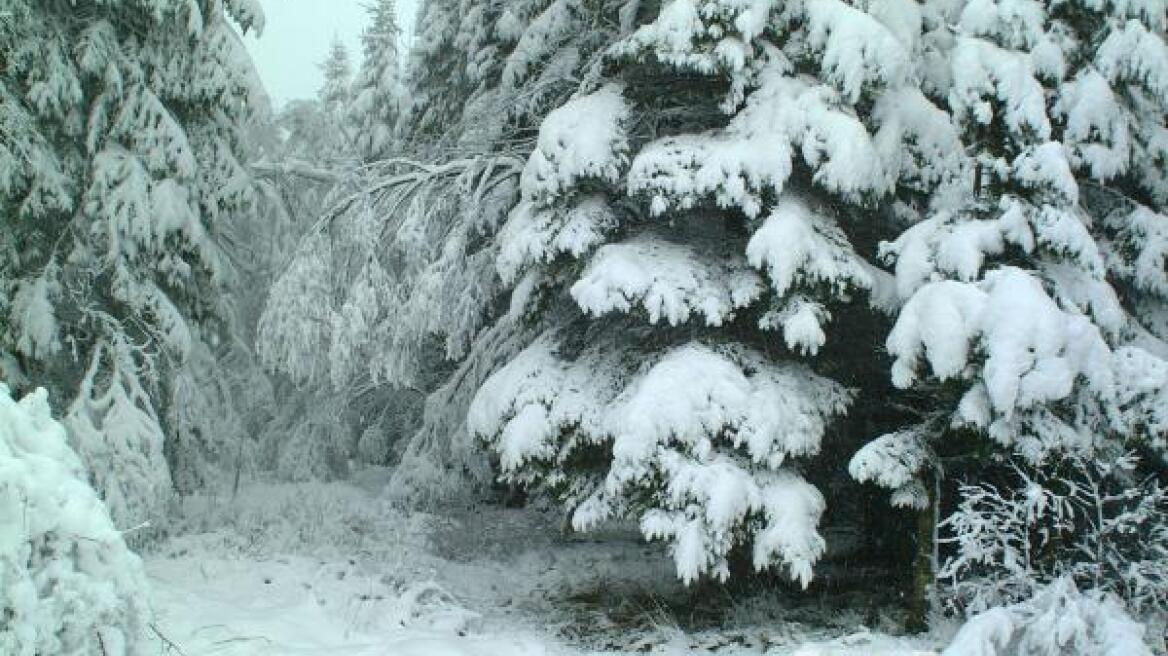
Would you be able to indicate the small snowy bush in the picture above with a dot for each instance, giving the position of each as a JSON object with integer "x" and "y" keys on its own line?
{"x": 1059, "y": 619}
{"x": 308, "y": 439}
{"x": 68, "y": 583}
{"x": 1092, "y": 520}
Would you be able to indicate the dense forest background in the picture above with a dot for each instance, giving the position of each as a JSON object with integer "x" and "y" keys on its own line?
{"x": 862, "y": 299}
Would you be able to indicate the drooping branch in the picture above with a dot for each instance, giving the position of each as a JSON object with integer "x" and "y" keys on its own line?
{"x": 298, "y": 168}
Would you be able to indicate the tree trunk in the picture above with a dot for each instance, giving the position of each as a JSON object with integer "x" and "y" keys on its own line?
{"x": 923, "y": 570}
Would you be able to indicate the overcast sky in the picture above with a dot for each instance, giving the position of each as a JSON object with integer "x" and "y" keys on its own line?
{"x": 297, "y": 37}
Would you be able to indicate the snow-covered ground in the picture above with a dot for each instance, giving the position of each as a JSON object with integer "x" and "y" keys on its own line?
{"x": 334, "y": 569}
{"x": 297, "y": 605}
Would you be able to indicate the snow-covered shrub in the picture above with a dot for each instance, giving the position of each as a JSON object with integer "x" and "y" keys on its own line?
{"x": 1057, "y": 619}
{"x": 333, "y": 519}
{"x": 308, "y": 438}
{"x": 1093, "y": 520}
{"x": 388, "y": 431}
{"x": 68, "y": 583}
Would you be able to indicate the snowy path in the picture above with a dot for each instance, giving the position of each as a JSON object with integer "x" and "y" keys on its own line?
{"x": 272, "y": 608}
{"x": 330, "y": 570}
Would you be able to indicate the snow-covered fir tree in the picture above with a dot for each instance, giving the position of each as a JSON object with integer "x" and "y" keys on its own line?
{"x": 1031, "y": 286}
{"x": 482, "y": 74}
{"x": 336, "y": 91}
{"x": 684, "y": 275}
{"x": 1009, "y": 278}
{"x": 378, "y": 91}
{"x": 120, "y": 176}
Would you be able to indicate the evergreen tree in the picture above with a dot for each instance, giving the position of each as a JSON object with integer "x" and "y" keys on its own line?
{"x": 1032, "y": 300}
{"x": 377, "y": 91}
{"x": 482, "y": 74}
{"x": 682, "y": 243}
{"x": 335, "y": 91}
{"x": 120, "y": 176}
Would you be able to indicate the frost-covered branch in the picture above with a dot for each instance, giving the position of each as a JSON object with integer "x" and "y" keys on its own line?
{"x": 296, "y": 168}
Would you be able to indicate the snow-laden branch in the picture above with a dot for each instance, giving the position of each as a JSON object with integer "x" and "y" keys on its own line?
{"x": 296, "y": 168}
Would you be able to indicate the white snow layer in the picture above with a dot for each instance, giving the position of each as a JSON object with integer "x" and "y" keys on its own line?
{"x": 332, "y": 569}
{"x": 797, "y": 245}
{"x": 669, "y": 281}
{"x": 583, "y": 138}
{"x": 895, "y": 461}
{"x": 1033, "y": 350}
{"x": 538, "y": 235}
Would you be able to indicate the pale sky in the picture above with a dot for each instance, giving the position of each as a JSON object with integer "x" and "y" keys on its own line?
{"x": 297, "y": 37}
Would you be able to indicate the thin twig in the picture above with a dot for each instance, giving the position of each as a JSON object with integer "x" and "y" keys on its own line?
{"x": 167, "y": 643}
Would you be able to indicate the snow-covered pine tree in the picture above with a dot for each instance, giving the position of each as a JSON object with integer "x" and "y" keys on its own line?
{"x": 336, "y": 92}
{"x": 336, "y": 96}
{"x": 71, "y": 586}
{"x": 378, "y": 91}
{"x": 119, "y": 175}
{"x": 681, "y": 243}
{"x": 1032, "y": 289}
